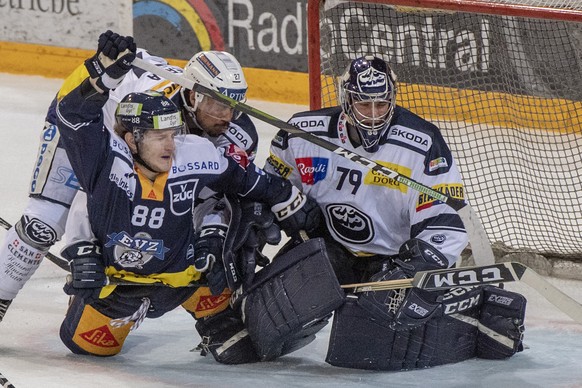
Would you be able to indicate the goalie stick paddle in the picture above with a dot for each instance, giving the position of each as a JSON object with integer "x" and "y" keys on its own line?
{"x": 482, "y": 252}
{"x": 443, "y": 279}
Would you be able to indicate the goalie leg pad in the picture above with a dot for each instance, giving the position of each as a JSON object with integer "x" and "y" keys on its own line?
{"x": 87, "y": 331}
{"x": 225, "y": 337}
{"x": 376, "y": 345}
{"x": 456, "y": 338}
{"x": 291, "y": 300}
{"x": 359, "y": 340}
{"x": 501, "y": 323}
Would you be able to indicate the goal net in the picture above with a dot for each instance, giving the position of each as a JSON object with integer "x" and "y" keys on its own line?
{"x": 503, "y": 81}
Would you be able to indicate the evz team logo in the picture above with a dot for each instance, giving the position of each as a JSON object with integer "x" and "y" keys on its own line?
{"x": 135, "y": 252}
{"x": 349, "y": 223}
{"x": 182, "y": 196}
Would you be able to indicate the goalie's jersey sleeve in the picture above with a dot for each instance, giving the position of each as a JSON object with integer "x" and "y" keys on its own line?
{"x": 146, "y": 227}
{"x": 365, "y": 211}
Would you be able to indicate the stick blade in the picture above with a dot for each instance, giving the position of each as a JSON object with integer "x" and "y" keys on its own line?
{"x": 466, "y": 277}
{"x": 480, "y": 245}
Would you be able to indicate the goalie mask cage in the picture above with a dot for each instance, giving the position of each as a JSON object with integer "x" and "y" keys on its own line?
{"x": 502, "y": 80}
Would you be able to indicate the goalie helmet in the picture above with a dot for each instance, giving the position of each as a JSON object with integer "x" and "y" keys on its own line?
{"x": 150, "y": 110}
{"x": 367, "y": 93}
{"x": 216, "y": 70}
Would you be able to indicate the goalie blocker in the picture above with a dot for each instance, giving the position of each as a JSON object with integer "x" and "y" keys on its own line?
{"x": 484, "y": 322}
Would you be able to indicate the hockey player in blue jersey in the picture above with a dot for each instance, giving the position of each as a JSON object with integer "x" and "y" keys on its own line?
{"x": 377, "y": 229}
{"x": 54, "y": 185}
{"x": 142, "y": 182}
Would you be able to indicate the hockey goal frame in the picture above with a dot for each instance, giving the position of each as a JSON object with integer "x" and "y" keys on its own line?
{"x": 519, "y": 114}
{"x": 474, "y": 6}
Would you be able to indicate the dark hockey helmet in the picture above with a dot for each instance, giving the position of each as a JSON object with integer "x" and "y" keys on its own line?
{"x": 150, "y": 110}
{"x": 367, "y": 94}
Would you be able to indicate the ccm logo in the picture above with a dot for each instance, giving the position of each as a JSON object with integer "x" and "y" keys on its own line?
{"x": 291, "y": 208}
{"x": 468, "y": 277}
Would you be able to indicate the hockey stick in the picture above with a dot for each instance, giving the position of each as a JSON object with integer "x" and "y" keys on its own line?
{"x": 62, "y": 263}
{"x": 443, "y": 279}
{"x": 482, "y": 252}
{"x": 4, "y": 382}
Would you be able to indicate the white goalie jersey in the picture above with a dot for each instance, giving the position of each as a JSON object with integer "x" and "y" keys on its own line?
{"x": 367, "y": 212}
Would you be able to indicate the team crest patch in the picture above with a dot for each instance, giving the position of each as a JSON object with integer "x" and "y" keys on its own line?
{"x": 182, "y": 196}
{"x": 39, "y": 231}
{"x": 135, "y": 252}
{"x": 349, "y": 223}
{"x": 438, "y": 239}
{"x": 312, "y": 170}
{"x": 437, "y": 163}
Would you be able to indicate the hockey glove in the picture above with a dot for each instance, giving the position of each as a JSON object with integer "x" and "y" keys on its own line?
{"x": 87, "y": 271}
{"x": 256, "y": 229}
{"x": 417, "y": 255}
{"x": 297, "y": 213}
{"x": 112, "y": 61}
{"x": 406, "y": 309}
{"x": 208, "y": 256}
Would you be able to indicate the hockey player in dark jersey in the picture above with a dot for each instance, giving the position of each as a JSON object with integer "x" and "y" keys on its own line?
{"x": 142, "y": 183}
{"x": 54, "y": 184}
{"x": 377, "y": 229}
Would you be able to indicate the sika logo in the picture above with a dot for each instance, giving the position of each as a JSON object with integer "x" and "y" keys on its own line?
{"x": 101, "y": 337}
{"x": 209, "y": 302}
{"x": 312, "y": 170}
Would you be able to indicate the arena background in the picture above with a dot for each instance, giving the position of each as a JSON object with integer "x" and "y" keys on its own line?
{"x": 51, "y": 37}
{"x": 269, "y": 37}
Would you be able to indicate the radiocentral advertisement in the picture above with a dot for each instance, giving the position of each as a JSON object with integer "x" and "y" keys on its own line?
{"x": 268, "y": 37}
{"x": 263, "y": 34}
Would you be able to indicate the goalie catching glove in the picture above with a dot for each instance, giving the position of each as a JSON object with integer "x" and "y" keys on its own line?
{"x": 113, "y": 60}
{"x": 87, "y": 271}
{"x": 406, "y": 309}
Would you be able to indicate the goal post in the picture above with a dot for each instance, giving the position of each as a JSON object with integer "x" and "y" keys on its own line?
{"x": 502, "y": 79}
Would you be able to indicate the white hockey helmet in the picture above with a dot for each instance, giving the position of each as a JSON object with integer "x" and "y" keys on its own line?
{"x": 217, "y": 70}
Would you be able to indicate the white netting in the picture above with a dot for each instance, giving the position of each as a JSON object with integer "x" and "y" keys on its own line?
{"x": 506, "y": 91}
